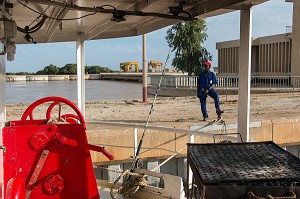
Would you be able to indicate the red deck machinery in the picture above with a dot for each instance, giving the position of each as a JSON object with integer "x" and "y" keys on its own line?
{"x": 48, "y": 160}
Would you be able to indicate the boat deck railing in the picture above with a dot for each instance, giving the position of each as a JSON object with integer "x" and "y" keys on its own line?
{"x": 206, "y": 131}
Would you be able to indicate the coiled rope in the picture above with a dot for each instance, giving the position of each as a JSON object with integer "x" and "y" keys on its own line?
{"x": 132, "y": 184}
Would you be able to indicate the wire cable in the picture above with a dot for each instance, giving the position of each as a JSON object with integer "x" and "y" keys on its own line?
{"x": 136, "y": 160}
{"x": 100, "y": 9}
{"x": 55, "y": 18}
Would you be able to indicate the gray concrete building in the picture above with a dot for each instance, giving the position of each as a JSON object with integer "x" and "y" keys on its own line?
{"x": 271, "y": 55}
{"x": 275, "y": 55}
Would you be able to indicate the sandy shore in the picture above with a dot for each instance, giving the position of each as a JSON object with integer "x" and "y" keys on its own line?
{"x": 176, "y": 112}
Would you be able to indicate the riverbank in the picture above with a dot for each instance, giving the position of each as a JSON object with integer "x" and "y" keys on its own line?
{"x": 118, "y": 76}
{"x": 19, "y": 78}
{"x": 178, "y": 112}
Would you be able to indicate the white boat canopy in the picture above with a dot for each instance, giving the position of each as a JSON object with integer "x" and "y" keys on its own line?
{"x": 60, "y": 21}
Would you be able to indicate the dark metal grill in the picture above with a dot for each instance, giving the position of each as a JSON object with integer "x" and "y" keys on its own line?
{"x": 244, "y": 163}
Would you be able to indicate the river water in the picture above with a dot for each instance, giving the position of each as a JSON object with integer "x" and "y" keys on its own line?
{"x": 30, "y": 91}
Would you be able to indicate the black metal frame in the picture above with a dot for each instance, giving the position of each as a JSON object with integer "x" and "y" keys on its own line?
{"x": 271, "y": 187}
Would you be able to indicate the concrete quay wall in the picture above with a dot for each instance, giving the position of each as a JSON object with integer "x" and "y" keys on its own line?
{"x": 284, "y": 132}
{"x": 102, "y": 76}
{"x": 14, "y": 78}
{"x": 133, "y": 76}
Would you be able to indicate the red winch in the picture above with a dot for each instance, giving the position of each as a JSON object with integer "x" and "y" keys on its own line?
{"x": 45, "y": 159}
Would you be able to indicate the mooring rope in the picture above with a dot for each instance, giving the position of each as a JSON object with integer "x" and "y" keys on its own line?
{"x": 135, "y": 160}
{"x": 129, "y": 180}
{"x": 132, "y": 184}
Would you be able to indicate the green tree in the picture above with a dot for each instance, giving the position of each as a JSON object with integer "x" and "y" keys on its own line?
{"x": 97, "y": 69}
{"x": 40, "y": 72}
{"x": 68, "y": 69}
{"x": 93, "y": 69}
{"x": 48, "y": 70}
{"x": 51, "y": 69}
{"x": 106, "y": 70}
{"x": 186, "y": 40}
{"x": 20, "y": 73}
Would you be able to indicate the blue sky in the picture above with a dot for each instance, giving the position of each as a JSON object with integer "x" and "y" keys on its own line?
{"x": 269, "y": 18}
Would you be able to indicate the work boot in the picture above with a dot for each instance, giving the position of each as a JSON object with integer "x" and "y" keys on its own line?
{"x": 204, "y": 119}
{"x": 219, "y": 113}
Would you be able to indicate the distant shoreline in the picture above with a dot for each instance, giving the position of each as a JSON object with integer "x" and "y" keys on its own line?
{"x": 15, "y": 78}
{"x": 120, "y": 76}
{"x": 137, "y": 77}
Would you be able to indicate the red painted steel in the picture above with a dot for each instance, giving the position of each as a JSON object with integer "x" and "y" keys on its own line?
{"x": 54, "y": 184}
{"x": 74, "y": 143}
{"x": 71, "y": 118}
{"x": 56, "y": 100}
{"x": 36, "y": 172}
{"x": 66, "y": 171}
{"x": 15, "y": 189}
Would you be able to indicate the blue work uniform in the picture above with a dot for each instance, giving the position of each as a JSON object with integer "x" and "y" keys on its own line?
{"x": 205, "y": 80}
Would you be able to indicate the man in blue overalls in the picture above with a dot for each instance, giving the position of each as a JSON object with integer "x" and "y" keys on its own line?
{"x": 206, "y": 81}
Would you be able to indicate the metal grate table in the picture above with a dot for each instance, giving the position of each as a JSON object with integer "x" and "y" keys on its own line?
{"x": 260, "y": 167}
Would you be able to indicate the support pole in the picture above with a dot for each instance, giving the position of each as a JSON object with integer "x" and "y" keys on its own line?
{"x": 135, "y": 141}
{"x": 2, "y": 114}
{"x": 295, "y": 62}
{"x": 189, "y": 175}
{"x": 80, "y": 73}
{"x": 245, "y": 73}
{"x": 145, "y": 89}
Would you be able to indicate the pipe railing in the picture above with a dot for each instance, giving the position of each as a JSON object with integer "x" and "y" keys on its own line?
{"x": 192, "y": 133}
{"x": 229, "y": 81}
{"x": 199, "y": 132}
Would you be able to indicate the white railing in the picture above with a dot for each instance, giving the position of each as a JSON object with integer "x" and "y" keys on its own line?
{"x": 193, "y": 136}
{"x": 174, "y": 81}
{"x": 229, "y": 81}
{"x": 203, "y": 132}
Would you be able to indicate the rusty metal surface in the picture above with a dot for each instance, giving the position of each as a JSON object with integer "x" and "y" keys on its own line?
{"x": 36, "y": 172}
{"x": 249, "y": 192}
{"x": 253, "y": 164}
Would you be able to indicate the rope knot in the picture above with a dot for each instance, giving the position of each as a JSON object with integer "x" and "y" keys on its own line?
{"x": 132, "y": 183}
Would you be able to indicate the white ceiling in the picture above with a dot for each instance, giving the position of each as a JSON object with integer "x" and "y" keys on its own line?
{"x": 99, "y": 25}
